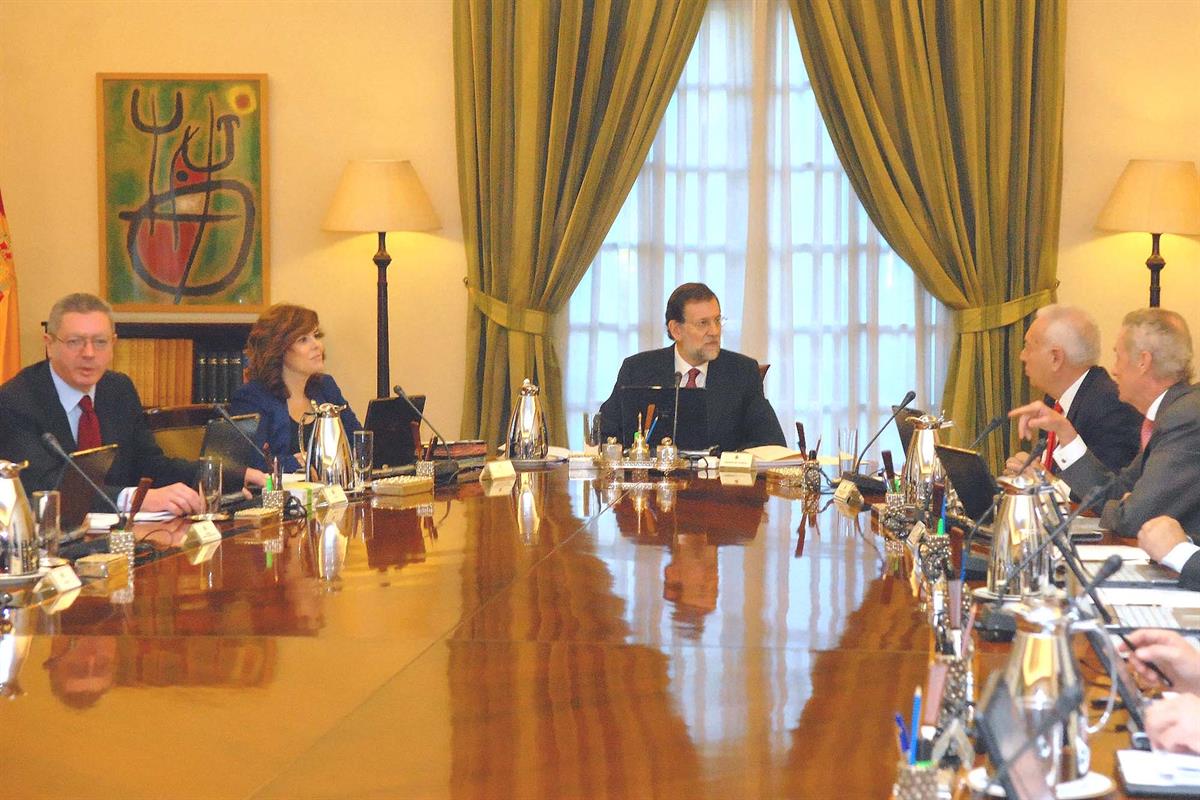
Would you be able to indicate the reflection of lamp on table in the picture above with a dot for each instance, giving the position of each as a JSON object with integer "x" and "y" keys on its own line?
{"x": 377, "y": 197}
{"x": 1154, "y": 197}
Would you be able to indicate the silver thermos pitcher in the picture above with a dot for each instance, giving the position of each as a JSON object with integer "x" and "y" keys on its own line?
{"x": 18, "y": 535}
{"x": 1018, "y": 530}
{"x": 527, "y": 429}
{"x": 922, "y": 467}
{"x": 327, "y": 458}
{"x": 1042, "y": 668}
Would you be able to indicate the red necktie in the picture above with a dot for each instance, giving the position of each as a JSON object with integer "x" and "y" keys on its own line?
{"x": 1051, "y": 442}
{"x": 691, "y": 381}
{"x": 89, "y": 426}
{"x": 1147, "y": 430}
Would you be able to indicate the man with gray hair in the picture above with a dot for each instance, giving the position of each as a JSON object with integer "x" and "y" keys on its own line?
{"x": 1152, "y": 369}
{"x": 73, "y": 395}
{"x": 1062, "y": 348}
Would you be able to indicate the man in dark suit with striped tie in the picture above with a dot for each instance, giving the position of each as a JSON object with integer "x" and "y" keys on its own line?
{"x": 1062, "y": 348}
{"x": 1152, "y": 369}
{"x": 739, "y": 415}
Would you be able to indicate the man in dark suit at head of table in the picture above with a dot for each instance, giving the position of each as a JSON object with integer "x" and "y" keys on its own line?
{"x": 1152, "y": 369}
{"x": 1062, "y": 348}
{"x": 739, "y": 415}
{"x": 73, "y": 395}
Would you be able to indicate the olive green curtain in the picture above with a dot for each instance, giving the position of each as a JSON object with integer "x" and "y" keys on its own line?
{"x": 947, "y": 116}
{"x": 558, "y": 104}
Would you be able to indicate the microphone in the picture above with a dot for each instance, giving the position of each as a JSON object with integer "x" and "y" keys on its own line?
{"x": 675, "y": 413}
{"x": 453, "y": 465}
{"x": 996, "y": 422}
{"x": 51, "y": 442}
{"x": 866, "y": 483}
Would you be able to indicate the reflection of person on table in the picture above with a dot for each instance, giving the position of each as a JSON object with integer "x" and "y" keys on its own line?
{"x": 287, "y": 374}
{"x": 1172, "y": 723}
{"x": 81, "y": 668}
{"x": 691, "y": 580}
{"x": 75, "y": 396}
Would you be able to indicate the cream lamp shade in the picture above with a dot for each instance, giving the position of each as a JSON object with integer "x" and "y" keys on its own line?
{"x": 1154, "y": 197}
{"x": 379, "y": 196}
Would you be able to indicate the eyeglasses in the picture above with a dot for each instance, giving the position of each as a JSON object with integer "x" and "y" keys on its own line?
{"x": 705, "y": 325}
{"x": 76, "y": 343}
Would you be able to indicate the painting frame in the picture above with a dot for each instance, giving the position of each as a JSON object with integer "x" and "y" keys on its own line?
{"x": 183, "y": 196}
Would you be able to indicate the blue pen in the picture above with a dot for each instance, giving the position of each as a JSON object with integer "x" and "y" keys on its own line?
{"x": 916, "y": 722}
{"x": 903, "y": 733}
{"x": 653, "y": 425}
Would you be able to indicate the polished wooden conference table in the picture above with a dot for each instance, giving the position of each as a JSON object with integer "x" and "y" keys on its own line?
{"x": 564, "y": 637}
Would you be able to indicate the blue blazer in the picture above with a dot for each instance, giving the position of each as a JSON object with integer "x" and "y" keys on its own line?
{"x": 276, "y": 427}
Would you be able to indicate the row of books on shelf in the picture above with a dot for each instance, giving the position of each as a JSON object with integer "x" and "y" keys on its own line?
{"x": 173, "y": 372}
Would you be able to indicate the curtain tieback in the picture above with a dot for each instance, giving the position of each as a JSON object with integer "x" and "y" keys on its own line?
{"x": 985, "y": 318}
{"x": 522, "y": 320}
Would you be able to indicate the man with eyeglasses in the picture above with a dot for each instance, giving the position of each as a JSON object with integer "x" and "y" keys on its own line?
{"x": 739, "y": 415}
{"x": 73, "y": 395}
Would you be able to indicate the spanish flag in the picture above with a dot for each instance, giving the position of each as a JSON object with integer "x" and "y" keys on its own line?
{"x": 10, "y": 336}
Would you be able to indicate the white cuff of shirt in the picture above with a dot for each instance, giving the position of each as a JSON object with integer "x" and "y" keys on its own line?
{"x": 124, "y": 498}
{"x": 1067, "y": 454}
{"x": 1179, "y": 555}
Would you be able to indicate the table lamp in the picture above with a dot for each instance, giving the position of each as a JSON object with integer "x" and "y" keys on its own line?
{"x": 377, "y": 197}
{"x": 1154, "y": 197}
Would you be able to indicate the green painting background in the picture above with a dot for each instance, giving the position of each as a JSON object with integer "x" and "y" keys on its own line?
{"x": 127, "y": 156}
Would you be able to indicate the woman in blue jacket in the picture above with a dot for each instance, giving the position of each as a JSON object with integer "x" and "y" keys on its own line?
{"x": 287, "y": 373}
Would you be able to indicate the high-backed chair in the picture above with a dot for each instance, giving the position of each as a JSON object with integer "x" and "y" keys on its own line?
{"x": 179, "y": 430}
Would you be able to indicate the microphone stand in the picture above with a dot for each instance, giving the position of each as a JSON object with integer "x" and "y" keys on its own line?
{"x": 675, "y": 413}
{"x": 52, "y": 443}
{"x": 865, "y": 483}
{"x": 451, "y": 465}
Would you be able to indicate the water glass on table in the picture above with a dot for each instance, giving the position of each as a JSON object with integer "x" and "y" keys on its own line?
{"x": 46, "y": 510}
{"x": 363, "y": 445}
{"x": 208, "y": 486}
{"x": 847, "y": 449}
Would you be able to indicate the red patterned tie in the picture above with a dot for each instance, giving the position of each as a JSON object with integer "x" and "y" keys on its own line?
{"x": 691, "y": 381}
{"x": 1147, "y": 430}
{"x": 89, "y": 426}
{"x": 1051, "y": 443}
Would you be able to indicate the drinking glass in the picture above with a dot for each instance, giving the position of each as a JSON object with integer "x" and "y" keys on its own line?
{"x": 847, "y": 448}
{"x": 46, "y": 507}
{"x": 208, "y": 485}
{"x": 363, "y": 443}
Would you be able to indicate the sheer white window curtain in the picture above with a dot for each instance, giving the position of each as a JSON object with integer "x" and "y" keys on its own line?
{"x": 743, "y": 190}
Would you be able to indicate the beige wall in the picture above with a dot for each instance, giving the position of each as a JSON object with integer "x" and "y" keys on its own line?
{"x": 375, "y": 80}
{"x": 345, "y": 80}
{"x": 1133, "y": 91}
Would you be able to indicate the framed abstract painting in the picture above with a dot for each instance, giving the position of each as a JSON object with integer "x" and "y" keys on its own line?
{"x": 183, "y": 192}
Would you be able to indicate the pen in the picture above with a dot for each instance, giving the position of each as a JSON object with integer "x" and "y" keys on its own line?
{"x": 800, "y": 437}
{"x": 916, "y": 721}
{"x": 653, "y": 425}
{"x": 903, "y": 733}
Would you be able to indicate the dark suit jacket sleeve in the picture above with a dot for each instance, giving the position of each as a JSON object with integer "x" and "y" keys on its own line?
{"x": 1165, "y": 476}
{"x": 1189, "y": 577}
{"x": 760, "y": 424}
{"x": 610, "y": 409}
{"x": 1111, "y": 429}
{"x": 21, "y": 429}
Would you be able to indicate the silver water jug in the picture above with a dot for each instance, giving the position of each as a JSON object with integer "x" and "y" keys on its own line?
{"x": 16, "y": 636}
{"x": 1042, "y": 668}
{"x": 18, "y": 534}
{"x": 527, "y": 429}
{"x": 922, "y": 467}
{"x": 327, "y": 455}
{"x": 1018, "y": 530}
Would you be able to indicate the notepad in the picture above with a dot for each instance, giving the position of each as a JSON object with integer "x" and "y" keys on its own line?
{"x": 1101, "y": 552}
{"x": 1159, "y": 773}
{"x": 1167, "y": 598}
{"x": 97, "y": 521}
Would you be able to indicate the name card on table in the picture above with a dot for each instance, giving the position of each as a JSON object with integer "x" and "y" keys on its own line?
{"x": 848, "y": 493}
{"x": 59, "y": 579}
{"x": 496, "y": 470}
{"x": 742, "y": 462}
{"x": 202, "y": 532}
{"x": 332, "y": 496}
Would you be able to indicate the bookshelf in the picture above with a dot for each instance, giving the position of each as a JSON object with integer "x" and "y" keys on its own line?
{"x": 177, "y": 363}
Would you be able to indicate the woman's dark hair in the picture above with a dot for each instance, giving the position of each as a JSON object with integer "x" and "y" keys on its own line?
{"x": 273, "y": 333}
{"x": 684, "y": 294}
